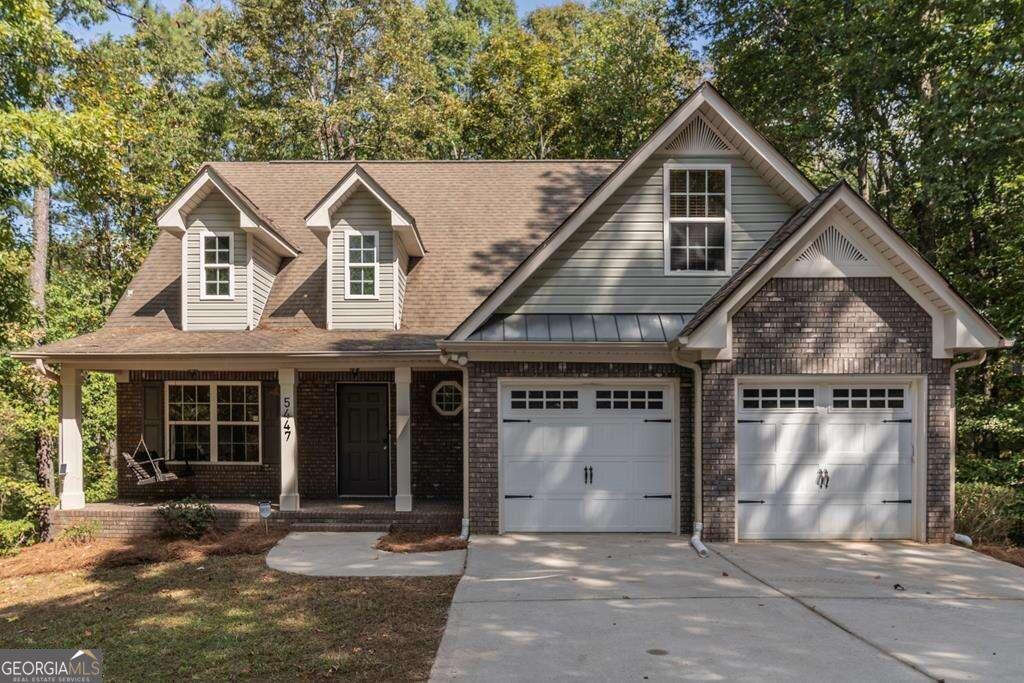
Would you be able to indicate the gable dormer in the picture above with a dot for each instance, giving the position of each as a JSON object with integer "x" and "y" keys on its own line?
{"x": 230, "y": 254}
{"x": 369, "y": 240}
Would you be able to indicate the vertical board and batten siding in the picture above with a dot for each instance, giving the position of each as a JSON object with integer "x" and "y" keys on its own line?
{"x": 265, "y": 265}
{"x": 615, "y": 262}
{"x": 215, "y": 214}
{"x": 362, "y": 212}
{"x": 401, "y": 268}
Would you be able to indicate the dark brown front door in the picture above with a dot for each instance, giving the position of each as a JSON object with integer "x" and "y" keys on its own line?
{"x": 364, "y": 445}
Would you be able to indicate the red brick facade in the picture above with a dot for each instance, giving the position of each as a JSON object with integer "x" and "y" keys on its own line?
{"x": 436, "y": 439}
{"x": 824, "y": 326}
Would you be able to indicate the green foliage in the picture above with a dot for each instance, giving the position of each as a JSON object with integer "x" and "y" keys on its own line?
{"x": 83, "y": 532}
{"x": 187, "y": 518}
{"x": 989, "y": 513}
{"x": 15, "y": 533}
{"x": 21, "y": 503}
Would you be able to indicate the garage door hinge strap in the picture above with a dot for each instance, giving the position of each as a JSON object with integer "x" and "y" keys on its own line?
{"x": 515, "y": 496}
{"x": 511, "y": 420}
{"x": 659, "y": 420}
{"x": 751, "y": 501}
{"x": 659, "y": 495}
{"x": 906, "y": 420}
{"x": 905, "y": 501}
{"x": 750, "y": 421}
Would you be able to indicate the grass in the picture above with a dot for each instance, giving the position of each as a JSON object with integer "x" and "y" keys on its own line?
{"x": 217, "y": 616}
{"x": 420, "y": 542}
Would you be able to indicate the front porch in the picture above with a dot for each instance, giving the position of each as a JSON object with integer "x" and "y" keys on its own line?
{"x": 130, "y": 519}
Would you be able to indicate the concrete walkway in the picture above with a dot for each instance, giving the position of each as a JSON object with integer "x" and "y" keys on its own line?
{"x": 616, "y": 607}
{"x": 319, "y": 553}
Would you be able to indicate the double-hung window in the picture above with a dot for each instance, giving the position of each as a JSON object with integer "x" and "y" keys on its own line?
{"x": 361, "y": 256}
{"x": 696, "y": 207}
{"x": 211, "y": 422}
{"x": 218, "y": 272}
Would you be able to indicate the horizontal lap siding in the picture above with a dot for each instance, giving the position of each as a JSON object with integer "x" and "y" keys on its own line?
{"x": 615, "y": 262}
{"x": 401, "y": 268}
{"x": 265, "y": 265}
{"x": 216, "y": 214}
{"x": 362, "y": 212}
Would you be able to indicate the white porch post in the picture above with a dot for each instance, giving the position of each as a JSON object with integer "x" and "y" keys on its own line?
{"x": 403, "y": 380}
{"x": 289, "y": 438}
{"x": 71, "y": 494}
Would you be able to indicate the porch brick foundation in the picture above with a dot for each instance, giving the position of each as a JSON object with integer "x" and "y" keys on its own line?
{"x": 825, "y": 326}
{"x": 483, "y": 427}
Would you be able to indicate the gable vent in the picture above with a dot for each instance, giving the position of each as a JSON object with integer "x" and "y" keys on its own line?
{"x": 698, "y": 137}
{"x": 832, "y": 246}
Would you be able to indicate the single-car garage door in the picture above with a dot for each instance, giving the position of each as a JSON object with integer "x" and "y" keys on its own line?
{"x": 820, "y": 460}
{"x": 596, "y": 456}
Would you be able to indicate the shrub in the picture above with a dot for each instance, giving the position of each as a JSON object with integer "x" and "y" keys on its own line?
{"x": 83, "y": 532}
{"x": 989, "y": 513}
{"x": 15, "y": 533}
{"x": 186, "y": 518}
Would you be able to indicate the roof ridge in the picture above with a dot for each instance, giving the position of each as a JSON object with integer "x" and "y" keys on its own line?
{"x": 331, "y": 162}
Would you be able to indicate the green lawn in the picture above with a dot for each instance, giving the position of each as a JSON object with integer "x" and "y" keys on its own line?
{"x": 230, "y": 617}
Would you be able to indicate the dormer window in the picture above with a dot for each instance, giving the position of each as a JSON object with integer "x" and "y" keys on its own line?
{"x": 697, "y": 225}
{"x": 218, "y": 270}
{"x": 362, "y": 265}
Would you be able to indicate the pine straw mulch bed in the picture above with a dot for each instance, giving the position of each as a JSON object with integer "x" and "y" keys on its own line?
{"x": 103, "y": 553}
{"x": 1011, "y": 554}
{"x": 420, "y": 542}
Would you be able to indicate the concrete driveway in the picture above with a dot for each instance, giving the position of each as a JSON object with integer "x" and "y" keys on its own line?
{"x": 644, "y": 607}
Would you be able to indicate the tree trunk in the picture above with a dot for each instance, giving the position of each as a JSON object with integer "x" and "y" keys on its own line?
{"x": 37, "y": 281}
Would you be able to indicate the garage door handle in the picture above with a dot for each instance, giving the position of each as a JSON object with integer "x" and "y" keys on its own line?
{"x": 511, "y": 420}
{"x": 905, "y": 501}
{"x": 658, "y": 495}
{"x": 518, "y": 496}
{"x": 742, "y": 422}
{"x": 905, "y": 420}
{"x": 750, "y": 501}
{"x": 659, "y": 420}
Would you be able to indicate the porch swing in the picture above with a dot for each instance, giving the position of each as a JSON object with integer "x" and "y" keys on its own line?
{"x": 138, "y": 464}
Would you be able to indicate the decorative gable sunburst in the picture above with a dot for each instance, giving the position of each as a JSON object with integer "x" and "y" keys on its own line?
{"x": 698, "y": 137}
{"x": 831, "y": 254}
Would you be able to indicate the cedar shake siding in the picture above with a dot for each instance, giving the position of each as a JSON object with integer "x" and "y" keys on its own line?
{"x": 436, "y": 439}
{"x": 793, "y": 326}
{"x": 483, "y": 427}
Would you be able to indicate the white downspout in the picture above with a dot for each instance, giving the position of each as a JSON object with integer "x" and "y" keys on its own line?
{"x": 974, "y": 361}
{"x": 465, "y": 454}
{"x": 698, "y": 488}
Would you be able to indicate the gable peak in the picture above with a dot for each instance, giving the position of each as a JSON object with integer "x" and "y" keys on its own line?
{"x": 698, "y": 136}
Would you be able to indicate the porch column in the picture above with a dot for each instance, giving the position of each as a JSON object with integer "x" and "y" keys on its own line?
{"x": 403, "y": 439}
{"x": 70, "y": 442}
{"x": 289, "y": 441}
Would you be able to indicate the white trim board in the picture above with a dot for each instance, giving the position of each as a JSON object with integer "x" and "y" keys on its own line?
{"x": 704, "y": 95}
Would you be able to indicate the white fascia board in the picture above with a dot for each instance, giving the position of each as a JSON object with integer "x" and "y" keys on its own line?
{"x": 689, "y": 108}
{"x": 172, "y": 218}
{"x": 319, "y": 219}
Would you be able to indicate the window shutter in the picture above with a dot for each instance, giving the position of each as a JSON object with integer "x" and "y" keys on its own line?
{"x": 153, "y": 416}
{"x": 271, "y": 423}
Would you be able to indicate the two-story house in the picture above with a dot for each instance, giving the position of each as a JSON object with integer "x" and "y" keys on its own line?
{"x": 693, "y": 335}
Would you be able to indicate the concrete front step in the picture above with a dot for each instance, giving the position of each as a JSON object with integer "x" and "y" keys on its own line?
{"x": 336, "y": 526}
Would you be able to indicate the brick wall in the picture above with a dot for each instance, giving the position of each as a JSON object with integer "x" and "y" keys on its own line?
{"x": 824, "y": 326}
{"x": 483, "y": 426}
{"x": 262, "y": 481}
{"x": 436, "y": 440}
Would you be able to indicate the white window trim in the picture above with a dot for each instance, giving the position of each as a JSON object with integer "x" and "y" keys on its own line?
{"x": 437, "y": 389}
{"x": 203, "y": 296}
{"x": 213, "y": 422}
{"x": 376, "y": 265}
{"x": 667, "y": 220}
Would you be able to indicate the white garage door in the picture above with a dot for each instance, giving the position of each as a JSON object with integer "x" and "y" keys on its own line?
{"x": 587, "y": 457}
{"x": 824, "y": 460}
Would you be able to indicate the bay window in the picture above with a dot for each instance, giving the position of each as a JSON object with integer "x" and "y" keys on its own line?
{"x": 213, "y": 422}
{"x": 697, "y": 225}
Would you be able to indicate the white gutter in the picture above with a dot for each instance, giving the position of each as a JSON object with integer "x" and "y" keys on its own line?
{"x": 698, "y": 488}
{"x": 977, "y": 359}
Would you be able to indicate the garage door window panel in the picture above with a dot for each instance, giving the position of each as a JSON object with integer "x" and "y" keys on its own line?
{"x": 772, "y": 398}
{"x": 630, "y": 399}
{"x": 544, "y": 399}
{"x": 868, "y": 398}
